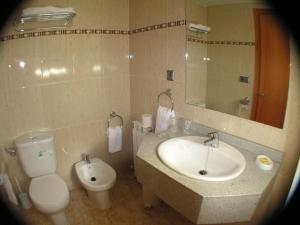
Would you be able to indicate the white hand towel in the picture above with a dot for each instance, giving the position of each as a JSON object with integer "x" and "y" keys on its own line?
{"x": 9, "y": 190}
{"x": 163, "y": 118}
{"x": 114, "y": 139}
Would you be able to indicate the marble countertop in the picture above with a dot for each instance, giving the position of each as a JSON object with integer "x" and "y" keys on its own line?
{"x": 252, "y": 181}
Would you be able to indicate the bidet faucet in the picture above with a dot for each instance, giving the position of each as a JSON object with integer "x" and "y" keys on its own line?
{"x": 213, "y": 140}
{"x": 86, "y": 158}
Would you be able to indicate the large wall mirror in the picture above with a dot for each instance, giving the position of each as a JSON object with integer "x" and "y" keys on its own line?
{"x": 237, "y": 59}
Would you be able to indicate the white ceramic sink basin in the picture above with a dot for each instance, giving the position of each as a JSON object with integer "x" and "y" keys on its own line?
{"x": 188, "y": 156}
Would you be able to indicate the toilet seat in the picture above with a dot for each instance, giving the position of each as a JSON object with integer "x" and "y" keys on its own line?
{"x": 49, "y": 193}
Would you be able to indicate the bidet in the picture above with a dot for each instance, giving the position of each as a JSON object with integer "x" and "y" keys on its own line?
{"x": 98, "y": 178}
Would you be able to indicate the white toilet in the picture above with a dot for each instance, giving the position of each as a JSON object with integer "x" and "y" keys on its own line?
{"x": 98, "y": 178}
{"x": 48, "y": 192}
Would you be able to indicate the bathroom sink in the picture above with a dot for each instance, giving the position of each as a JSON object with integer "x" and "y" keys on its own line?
{"x": 190, "y": 157}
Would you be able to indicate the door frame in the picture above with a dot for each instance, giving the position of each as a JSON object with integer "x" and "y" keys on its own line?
{"x": 256, "y": 15}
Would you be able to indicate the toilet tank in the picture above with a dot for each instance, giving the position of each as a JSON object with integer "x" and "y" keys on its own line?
{"x": 36, "y": 153}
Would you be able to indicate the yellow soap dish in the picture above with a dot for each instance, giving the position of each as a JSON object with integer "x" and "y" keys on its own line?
{"x": 264, "y": 162}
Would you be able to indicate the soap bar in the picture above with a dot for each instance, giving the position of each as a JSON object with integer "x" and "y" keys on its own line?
{"x": 264, "y": 162}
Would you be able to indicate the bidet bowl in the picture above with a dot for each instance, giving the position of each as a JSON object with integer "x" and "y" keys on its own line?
{"x": 190, "y": 157}
{"x": 96, "y": 175}
{"x": 98, "y": 178}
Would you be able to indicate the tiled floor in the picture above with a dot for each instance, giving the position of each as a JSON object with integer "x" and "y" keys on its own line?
{"x": 127, "y": 209}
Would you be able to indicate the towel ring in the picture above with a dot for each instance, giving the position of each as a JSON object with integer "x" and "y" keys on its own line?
{"x": 113, "y": 115}
{"x": 169, "y": 94}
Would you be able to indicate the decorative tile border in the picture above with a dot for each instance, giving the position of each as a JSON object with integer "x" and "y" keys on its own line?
{"x": 61, "y": 32}
{"x": 192, "y": 39}
{"x": 91, "y": 31}
{"x": 121, "y": 32}
{"x": 247, "y": 43}
{"x": 159, "y": 26}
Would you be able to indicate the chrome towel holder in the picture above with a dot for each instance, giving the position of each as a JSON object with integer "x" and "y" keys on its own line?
{"x": 44, "y": 18}
{"x": 39, "y": 21}
{"x": 113, "y": 115}
{"x": 169, "y": 94}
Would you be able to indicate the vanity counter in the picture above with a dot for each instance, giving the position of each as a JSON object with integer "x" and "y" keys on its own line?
{"x": 203, "y": 202}
{"x": 252, "y": 181}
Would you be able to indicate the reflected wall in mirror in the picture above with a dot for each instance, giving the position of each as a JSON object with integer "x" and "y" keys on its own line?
{"x": 237, "y": 59}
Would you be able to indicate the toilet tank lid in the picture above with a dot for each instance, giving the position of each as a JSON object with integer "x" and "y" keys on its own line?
{"x": 33, "y": 137}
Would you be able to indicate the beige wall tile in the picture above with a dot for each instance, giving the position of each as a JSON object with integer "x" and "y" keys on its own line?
{"x": 87, "y": 55}
{"x": 115, "y": 50}
{"x": 132, "y": 14}
{"x": 140, "y": 13}
{"x": 176, "y": 51}
{"x": 4, "y": 66}
{"x": 87, "y": 15}
{"x": 114, "y": 14}
{"x": 175, "y": 10}
{"x": 195, "y": 12}
{"x": 22, "y": 62}
{"x": 56, "y": 101}
{"x": 70, "y": 84}
{"x": 55, "y": 69}
{"x": 26, "y": 110}
{"x": 116, "y": 95}
{"x": 139, "y": 64}
{"x": 196, "y": 73}
{"x": 157, "y": 49}
{"x": 6, "y": 124}
{"x": 231, "y": 21}
{"x": 84, "y": 101}
{"x": 158, "y": 11}
{"x": 50, "y": 48}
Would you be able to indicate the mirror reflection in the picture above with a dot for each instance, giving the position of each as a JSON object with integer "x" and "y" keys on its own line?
{"x": 237, "y": 59}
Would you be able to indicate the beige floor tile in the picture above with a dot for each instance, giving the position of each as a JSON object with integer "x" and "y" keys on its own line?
{"x": 127, "y": 208}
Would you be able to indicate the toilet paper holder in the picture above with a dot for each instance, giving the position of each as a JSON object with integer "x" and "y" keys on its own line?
{"x": 113, "y": 115}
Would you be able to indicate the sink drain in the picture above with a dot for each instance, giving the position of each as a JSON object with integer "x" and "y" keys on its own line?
{"x": 93, "y": 178}
{"x": 202, "y": 172}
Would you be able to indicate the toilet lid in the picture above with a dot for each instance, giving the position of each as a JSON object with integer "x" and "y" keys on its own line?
{"x": 48, "y": 190}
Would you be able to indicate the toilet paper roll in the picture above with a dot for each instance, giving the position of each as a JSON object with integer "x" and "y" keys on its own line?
{"x": 243, "y": 107}
{"x": 146, "y": 120}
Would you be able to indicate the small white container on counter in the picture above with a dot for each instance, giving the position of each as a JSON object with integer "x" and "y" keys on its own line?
{"x": 264, "y": 162}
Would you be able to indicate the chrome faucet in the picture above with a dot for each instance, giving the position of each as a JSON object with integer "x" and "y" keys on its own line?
{"x": 213, "y": 140}
{"x": 86, "y": 158}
